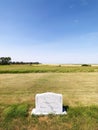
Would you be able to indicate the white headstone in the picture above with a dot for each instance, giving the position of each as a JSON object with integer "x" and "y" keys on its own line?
{"x": 48, "y": 103}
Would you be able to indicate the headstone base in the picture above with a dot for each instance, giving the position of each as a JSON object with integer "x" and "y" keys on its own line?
{"x": 35, "y": 112}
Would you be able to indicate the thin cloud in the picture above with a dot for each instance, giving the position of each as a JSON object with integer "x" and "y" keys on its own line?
{"x": 76, "y": 21}
{"x": 84, "y": 2}
{"x": 93, "y": 36}
{"x": 71, "y": 6}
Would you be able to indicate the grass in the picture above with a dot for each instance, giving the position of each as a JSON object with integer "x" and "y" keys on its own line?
{"x": 78, "y": 118}
{"x": 77, "y": 88}
{"x": 15, "y": 110}
{"x": 17, "y": 99}
{"x": 46, "y": 68}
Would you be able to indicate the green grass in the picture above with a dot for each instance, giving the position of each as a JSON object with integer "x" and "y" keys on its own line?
{"x": 46, "y": 68}
{"x": 15, "y": 110}
{"x": 78, "y": 118}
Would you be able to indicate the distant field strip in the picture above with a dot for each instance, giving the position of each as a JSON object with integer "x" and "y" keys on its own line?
{"x": 76, "y": 88}
{"x": 46, "y": 68}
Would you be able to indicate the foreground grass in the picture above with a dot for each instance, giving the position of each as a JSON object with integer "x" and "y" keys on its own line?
{"x": 17, "y": 98}
{"x": 46, "y": 68}
{"x": 17, "y": 117}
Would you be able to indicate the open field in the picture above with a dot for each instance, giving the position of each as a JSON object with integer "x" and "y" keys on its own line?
{"x": 46, "y": 68}
{"x": 77, "y": 88}
{"x": 80, "y": 94}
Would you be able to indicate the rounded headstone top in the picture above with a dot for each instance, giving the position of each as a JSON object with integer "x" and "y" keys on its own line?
{"x": 49, "y": 93}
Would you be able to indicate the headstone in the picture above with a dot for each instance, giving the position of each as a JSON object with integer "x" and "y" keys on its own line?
{"x": 48, "y": 103}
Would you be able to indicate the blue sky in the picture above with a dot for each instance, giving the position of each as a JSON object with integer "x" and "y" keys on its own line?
{"x": 49, "y": 31}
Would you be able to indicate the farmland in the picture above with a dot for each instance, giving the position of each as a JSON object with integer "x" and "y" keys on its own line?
{"x": 46, "y": 68}
{"x": 20, "y": 83}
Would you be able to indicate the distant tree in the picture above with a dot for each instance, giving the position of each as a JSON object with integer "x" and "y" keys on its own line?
{"x": 5, "y": 60}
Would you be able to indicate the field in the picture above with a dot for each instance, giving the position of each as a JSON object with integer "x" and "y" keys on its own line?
{"x": 18, "y": 87}
{"x": 46, "y": 68}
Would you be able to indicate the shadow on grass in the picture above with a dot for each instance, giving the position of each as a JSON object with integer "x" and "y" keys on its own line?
{"x": 65, "y": 108}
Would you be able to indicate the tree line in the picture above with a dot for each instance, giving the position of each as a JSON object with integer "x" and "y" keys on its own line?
{"x": 7, "y": 61}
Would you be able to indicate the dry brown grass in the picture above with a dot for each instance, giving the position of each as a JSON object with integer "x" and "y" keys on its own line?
{"x": 77, "y": 88}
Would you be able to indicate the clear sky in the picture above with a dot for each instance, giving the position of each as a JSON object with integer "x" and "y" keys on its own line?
{"x": 49, "y": 31}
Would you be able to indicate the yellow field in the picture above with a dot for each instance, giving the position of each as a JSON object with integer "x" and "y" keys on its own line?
{"x": 77, "y": 88}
